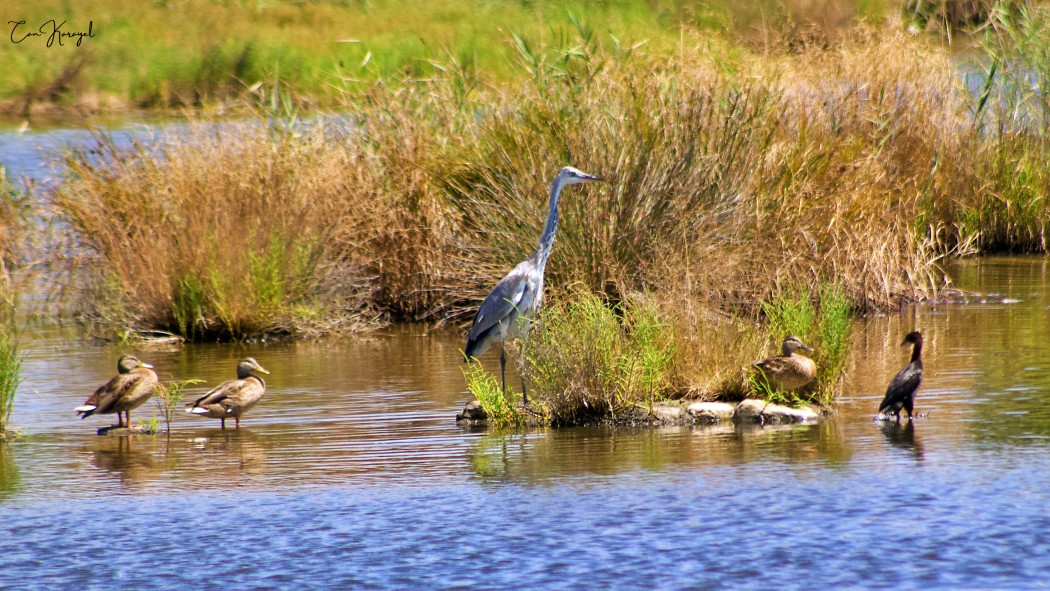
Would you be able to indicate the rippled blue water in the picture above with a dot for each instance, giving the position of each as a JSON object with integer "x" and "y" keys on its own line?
{"x": 352, "y": 474}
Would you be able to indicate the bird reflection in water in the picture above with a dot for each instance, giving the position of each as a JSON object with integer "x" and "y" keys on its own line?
{"x": 903, "y": 436}
{"x": 134, "y": 467}
{"x": 237, "y": 453}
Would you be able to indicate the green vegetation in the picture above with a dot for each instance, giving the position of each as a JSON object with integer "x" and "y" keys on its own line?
{"x": 586, "y": 358}
{"x": 819, "y": 171}
{"x": 201, "y": 52}
{"x": 499, "y": 408}
{"x": 168, "y": 397}
{"x": 825, "y": 328}
{"x": 10, "y": 368}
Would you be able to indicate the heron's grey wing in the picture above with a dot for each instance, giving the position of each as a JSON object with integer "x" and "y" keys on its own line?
{"x": 502, "y": 302}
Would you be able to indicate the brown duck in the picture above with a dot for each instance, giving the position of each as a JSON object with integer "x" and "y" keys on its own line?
{"x": 134, "y": 384}
{"x": 789, "y": 371}
{"x": 233, "y": 398}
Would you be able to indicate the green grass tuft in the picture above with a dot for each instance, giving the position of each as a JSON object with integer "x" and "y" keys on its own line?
{"x": 825, "y": 328}
{"x": 11, "y": 358}
{"x": 168, "y": 397}
{"x": 486, "y": 388}
{"x": 588, "y": 358}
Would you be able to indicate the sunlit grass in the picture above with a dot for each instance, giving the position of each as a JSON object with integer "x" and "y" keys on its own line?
{"x": 500, "y": 408}
{"x": 168, "y": 397}
{"x": 822, "y": 321}
{"x": 11, "y": 357}
{"x": 587, "y": 358}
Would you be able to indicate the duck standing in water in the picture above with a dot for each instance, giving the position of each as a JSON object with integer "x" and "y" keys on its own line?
{"x": 789, "y": 371}
{"x": 901, "y": 392}
{"x": 235, "y": 397}
{"x": 134, "y": 384}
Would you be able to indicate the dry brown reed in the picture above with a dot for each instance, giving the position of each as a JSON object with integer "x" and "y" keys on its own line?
{"x": 731, "y": 177}
{"x": 219, "y": 232}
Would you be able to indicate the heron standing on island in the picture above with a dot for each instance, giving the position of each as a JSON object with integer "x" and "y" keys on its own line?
{"x": 506, "y": 311}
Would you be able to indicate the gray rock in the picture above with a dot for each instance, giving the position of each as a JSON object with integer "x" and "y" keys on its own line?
{"x": 472, "y": 412}
{"x": 711, "y": 412}
{"x": 749, "y": 411}
{"x": 668, "y": 413}
{"x": 776, "y": 414}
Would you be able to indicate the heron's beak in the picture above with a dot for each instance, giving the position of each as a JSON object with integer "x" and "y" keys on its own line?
{"x": 592, "y": 177}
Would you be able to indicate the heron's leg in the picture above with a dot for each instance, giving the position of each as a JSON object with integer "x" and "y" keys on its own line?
{"x": 503, "y": 369}
{"x": 521, "y": 359}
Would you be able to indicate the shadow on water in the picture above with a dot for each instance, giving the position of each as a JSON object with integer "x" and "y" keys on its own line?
{"x": 548, "y": 455}
{"x": 902, "y": 436}
{"x": 134, "y": 463}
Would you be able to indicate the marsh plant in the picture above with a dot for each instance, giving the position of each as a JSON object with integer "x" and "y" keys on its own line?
{"x": 500, "y": 408}
{"x": 586, "y": 357}
{"x": 168, "y": 397}
{"x": 859, "y": 160}
{"x": 821, "y": 320}
{"x": 11, "y": 358}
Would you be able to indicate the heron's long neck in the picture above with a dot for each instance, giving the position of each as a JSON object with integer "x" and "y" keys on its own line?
{"x": 551, "y": 227}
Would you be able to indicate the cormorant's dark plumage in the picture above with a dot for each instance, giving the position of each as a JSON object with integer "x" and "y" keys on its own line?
{"x": 901, "y": 392}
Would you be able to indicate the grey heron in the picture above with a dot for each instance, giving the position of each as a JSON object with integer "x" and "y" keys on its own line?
{"x": 506, "y": 311}
{"x": 901, "y": 392}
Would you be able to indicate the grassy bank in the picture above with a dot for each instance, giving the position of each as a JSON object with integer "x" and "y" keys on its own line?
{"x": 736, "y": 179}
{"x": 206, "y": 53}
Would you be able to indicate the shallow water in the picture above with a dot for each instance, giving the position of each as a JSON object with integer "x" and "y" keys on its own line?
{"x": 352, "y": 473}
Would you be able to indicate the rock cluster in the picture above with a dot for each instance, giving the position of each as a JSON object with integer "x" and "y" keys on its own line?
{"x": 749, "y": 411}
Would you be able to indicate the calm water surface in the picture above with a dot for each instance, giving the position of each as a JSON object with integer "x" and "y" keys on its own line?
{"x": 353, "y": 474}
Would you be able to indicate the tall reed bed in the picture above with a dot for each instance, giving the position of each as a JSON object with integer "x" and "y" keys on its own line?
{"x": 215, "y": 233}
{"x": 734, "y": 178}
{"x": 740, "y": 175}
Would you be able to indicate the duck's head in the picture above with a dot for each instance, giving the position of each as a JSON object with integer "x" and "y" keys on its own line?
{"x": 572, "y": 176}
{"x": 912, "y": 338}
{"x": 792, "y": 344}
{"x": 129, "y": 362}
{"x": 248, "y": 365}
